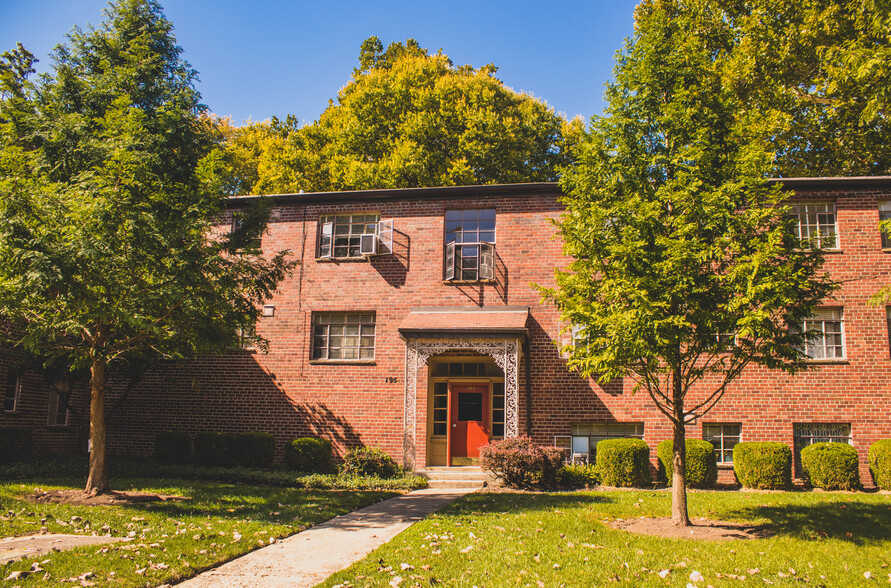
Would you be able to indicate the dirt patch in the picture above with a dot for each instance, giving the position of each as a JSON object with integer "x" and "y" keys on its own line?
{"x": 33, "y": 545}
{"x": 79, "y": 498}
{"x": 703, "y": 529}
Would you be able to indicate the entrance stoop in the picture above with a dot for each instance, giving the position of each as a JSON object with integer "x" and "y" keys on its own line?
{"x": 456, "y": 477}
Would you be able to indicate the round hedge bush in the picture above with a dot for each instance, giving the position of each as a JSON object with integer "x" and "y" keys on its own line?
{"x": 254, "y": 449}
{"x": 624, "y": 462}
{"x": 577, "y": 476}
{"x": 701, "y": 463}
{"x": 370, "y": 461}
{"x": 309, "y": 454}
{"x": 766, "y": 465}
{"x": 831, "y": 466}
{"x": 172, "y": 447}
{"x": 520, "y": 462}
{"x": 880, "y": 463}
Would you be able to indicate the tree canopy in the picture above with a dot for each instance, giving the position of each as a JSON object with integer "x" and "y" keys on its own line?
{"x": 108, "y": 172}
{"x": 406, "y": 118}
{"x": 684, "y": 265}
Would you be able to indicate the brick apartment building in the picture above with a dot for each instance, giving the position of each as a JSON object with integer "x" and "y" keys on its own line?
{"x": 412, "y": 323}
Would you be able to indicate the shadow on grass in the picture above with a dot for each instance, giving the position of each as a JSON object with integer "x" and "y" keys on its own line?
{"x": 524, "y": 502}
{"x": 855, "y": 522}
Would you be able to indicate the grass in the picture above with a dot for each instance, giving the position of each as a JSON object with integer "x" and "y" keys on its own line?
{"x": 171, "y": 540}
{"x": 561, "y": 539}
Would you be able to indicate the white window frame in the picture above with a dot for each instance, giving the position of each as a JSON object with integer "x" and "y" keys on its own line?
{"x": 725, "y": 439}
{"x": 13, "y": 385}
{"x": 58, "y": 414}
{"x": 885, "y": 214}
{"x": 817, "y": 223}
{"x": 469, "y": 254}
{"x": 333, "y": 237}
{"x": 830, "y": 323}
{"x": 331, "y": 326}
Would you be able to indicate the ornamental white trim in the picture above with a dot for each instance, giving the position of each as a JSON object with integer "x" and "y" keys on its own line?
{"x": 505, "y": 352}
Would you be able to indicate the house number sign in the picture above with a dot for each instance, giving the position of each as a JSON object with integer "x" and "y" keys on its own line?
{"x": 391, "y": 380}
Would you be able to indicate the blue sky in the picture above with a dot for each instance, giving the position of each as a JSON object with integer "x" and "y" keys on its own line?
{"x": 274, "y": 57}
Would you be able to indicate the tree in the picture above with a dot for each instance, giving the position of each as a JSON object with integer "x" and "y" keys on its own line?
{"x": 109, "y": 259}
{"x": 685, "y": 270}
{"x": 407, "y": 119}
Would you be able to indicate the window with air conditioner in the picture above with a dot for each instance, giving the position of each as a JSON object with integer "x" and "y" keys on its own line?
{"x": 347, "y": 235}
{"x": 469, "y": 245}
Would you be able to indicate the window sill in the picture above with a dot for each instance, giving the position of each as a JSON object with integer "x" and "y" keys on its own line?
{"x": 342, "y": 362}
{"x": 466, "y": 282}
{"x": 360, "y": 259}
{"x": 838, "y": 361}
{"x": 725, "y": 466}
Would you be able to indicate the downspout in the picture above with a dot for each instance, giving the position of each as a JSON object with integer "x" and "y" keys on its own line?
{"x": 528, "y": 387}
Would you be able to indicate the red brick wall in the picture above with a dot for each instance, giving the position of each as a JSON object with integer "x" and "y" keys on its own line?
{"x": 285, "y": 393}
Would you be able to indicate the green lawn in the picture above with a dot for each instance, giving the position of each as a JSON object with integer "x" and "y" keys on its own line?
{"x": 490, "y": 540}
{"x": 172, "y": 540}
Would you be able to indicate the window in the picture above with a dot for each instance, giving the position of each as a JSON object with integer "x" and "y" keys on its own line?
{"x": 441, "y": 409}
{"x": 58, "y": 412}
{"x": 597, "y": 432}
{"x": 816, "y": 224}
{"x": 13, "y": 391}
{"x": 828, "y": 342}
{"x": 809, "y": 433}
{"x": 343, "y": 336}
{"x": 498, "y": 409}
{"x": 885, "y": 214}
{"x": 340, "y": 235}
{"x": 470, "y": 245}
{"x": 888, "y": 322}
{"x": 250, "y": 243}
{"x": 723, "y": 437}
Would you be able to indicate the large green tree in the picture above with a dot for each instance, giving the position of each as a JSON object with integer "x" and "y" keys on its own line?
{"x": 685, "y": 270}
{"x": 407, "y": 119}
{"x": 108, "y": 252}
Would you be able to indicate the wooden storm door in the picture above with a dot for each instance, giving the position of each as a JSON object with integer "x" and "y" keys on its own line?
{"x": 468, "y": 422}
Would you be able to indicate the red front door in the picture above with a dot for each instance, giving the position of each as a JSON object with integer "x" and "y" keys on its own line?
{"x": 468, "y": 422}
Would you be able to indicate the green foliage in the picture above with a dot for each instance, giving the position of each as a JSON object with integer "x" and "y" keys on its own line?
{"x": 831, "y": 466}
{"x": 254, "y": 450}
{"x": 521, "y": 463}
{"x": 624, "y": 462}
{"x": 213, "y": 448}
{"x": 701, "y": 464}
{"x": 880, "y": 463}
{"x": 766, "y": 465}
{"x": 578, "y": 476}
{"x": 108, "y": 170}
{"x": 173, "y": 447}
{"x": 370, "y": 461}
{"x": 309, "y": 454}
{"x": 15, "y": 443}
{"x": 406, "y": 119}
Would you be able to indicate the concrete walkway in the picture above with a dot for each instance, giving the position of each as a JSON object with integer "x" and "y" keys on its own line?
{"x": 307, "y": 558}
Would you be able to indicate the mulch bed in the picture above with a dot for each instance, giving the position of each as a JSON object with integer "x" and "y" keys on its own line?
{"x": 80, "y": 498}
{"x": 705, "y": 529}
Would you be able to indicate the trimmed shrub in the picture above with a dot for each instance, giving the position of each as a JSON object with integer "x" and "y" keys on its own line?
{"x": 372, "y": 462}
{"x": 831, "y": 466}
{"x": 624, "y": 462}
{"x": 880, "y": 463}
{"x": 309, "y": 454}
{"x": 254, "y": 450}
{"x": 766, "y": 465}
{"x": 577, "y": 476}
{"x": 172, "y": 447}
{"x": 701, "y": 463}
{"x": 521, "y": 463}
{"x": 215, "y": 449}
{"x": 15, "y": 443}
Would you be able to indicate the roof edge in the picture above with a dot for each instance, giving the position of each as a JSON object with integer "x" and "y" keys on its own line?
{"x": 833, "y": 182}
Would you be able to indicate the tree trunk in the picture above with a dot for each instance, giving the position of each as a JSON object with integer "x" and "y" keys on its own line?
{"x": 97, "y": 481}
{"x": 679, "y": 516}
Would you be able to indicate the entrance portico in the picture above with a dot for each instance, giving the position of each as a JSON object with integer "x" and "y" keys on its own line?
{"x": 496, "y": 332}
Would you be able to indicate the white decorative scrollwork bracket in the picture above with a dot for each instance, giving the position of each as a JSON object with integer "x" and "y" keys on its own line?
{"x": 506, "y": 354}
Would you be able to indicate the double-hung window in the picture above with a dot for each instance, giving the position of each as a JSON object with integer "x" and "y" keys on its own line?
{"x": 13, "y": 391}
{"x": 723, "y": 437}
{"x": 827, "y": 328}
{"x": 58, "y": 411}
{"x": 884, "y": 215}
{"x": 340, "y": 235}
{"x": 816, "y": 223}
{"x": 343, "y": 336}
{"x": 470, "y": 245}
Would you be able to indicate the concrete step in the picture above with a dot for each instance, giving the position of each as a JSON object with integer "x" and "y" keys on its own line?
{"x": 456, "y": 477}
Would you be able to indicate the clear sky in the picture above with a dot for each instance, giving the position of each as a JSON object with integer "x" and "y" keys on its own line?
{"x": 275, "y": 57}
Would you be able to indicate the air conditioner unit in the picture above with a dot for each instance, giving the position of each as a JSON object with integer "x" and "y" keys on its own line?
{"x": 368, "y": 244}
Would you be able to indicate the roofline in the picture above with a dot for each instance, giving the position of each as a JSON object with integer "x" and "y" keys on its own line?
{"x": 508, "y": 190}
{"x": 463, "y": 309}
{"x": 849, "y": 182}
{"x": 481, "y": 332}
